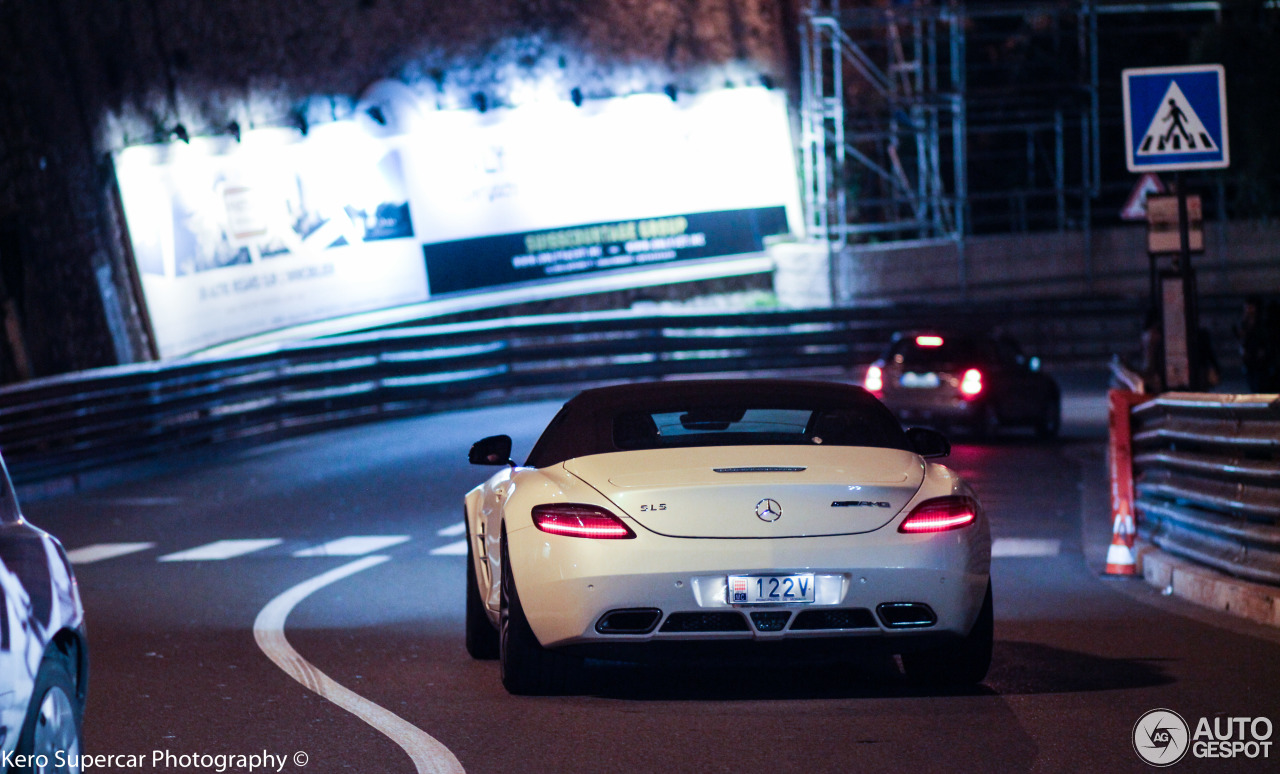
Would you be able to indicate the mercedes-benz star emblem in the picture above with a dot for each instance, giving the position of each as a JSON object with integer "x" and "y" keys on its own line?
{"x": 768, "y": 510}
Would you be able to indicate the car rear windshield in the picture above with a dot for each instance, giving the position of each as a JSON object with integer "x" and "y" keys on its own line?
{"x": 937, "y": 351}
{"x": 720, "y": 425}
{"x": 716, "y": 412}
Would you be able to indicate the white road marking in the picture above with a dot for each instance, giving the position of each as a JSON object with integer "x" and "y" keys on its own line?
{"x": 1004, "y": 548}
{"x": 142, "y": 501}
{"x": 453, "y": 549}
{"x": 221, "y": 549}
{"x": 428, "y": 755}
{"x": 356, "y": 545}
{"x": 453, "y": 530}
{"x": 99, "y": 551}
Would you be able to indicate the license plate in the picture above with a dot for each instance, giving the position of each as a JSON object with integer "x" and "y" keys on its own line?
{"x": 770, "y": 589}
{"x": 925, "y": 381}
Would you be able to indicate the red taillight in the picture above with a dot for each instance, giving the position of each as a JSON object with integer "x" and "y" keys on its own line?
{"x": 585, "y": 521}
{"x": 875, "y": 379}
{"x": 928, "y": 341}
{"x": 941, "y": 514}
{"x": 971, "y": 383}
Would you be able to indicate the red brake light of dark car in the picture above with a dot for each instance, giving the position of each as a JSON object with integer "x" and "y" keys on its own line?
{"x": 940, "y": 515}
{"x": 928, "y": 341}
{"x": 971, "y": 383}
{"x": 585, "y": 521}
{"x": 874, "y": 382}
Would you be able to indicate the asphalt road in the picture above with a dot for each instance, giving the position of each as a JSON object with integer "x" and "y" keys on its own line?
{"x": 176, "y": 668}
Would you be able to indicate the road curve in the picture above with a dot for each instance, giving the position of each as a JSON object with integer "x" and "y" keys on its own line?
{"x": 175, "y": 570}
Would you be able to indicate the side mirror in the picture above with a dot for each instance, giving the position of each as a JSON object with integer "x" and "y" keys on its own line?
{"x": 928, "y": 442}
{"x": 494, "y": 450}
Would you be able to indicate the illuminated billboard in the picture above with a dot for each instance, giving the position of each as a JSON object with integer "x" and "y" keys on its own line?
{"x": 234, "y": 238}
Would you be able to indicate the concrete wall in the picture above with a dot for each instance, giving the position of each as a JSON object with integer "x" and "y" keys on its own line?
{"x": 1238, "y": 259}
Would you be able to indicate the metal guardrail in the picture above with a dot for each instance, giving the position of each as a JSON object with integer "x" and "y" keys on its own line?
{"x": 1207, "y": 478}
{"x": 1207, "y": 466}
{"x": 68, "y": 424}
{"x": 62, "y": 425}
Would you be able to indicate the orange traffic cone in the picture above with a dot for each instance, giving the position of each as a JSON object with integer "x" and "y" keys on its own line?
{"x": 1120, "y": 558}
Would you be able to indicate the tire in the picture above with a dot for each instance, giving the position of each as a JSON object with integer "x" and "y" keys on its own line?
{"x": 962, "y": 664}
{"x": 482, "y": 637}
{"x": 987, "y": 423}
{"x": 53, "y": 721}
{"x": 1050, "y": 422}
{"x": 528, "y": 669}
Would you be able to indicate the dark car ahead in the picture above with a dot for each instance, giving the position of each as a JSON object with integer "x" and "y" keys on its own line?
{"x": 977, "y": 382}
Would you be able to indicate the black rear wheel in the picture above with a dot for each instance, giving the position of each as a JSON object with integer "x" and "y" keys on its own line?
{"x": 528, "y": 669}
{"x": 1050, "y": 422}
{"x": 965, "y": 663}
{"x": 987, "y": 422}
{"x": 482, "y": 637}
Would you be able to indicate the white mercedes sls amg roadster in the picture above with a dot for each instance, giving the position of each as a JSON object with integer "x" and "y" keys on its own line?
{"x": 725, "y": 517}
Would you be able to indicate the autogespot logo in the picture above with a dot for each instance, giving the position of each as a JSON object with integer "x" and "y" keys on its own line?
{"x": 1160, "y": 737}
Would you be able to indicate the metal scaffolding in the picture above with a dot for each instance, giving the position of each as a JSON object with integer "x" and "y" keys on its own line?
{"x": 940, "y": 119}
{"x": 882, "y": 121}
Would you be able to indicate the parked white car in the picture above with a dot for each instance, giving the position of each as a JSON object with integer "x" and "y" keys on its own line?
{"x": 44, "y": 660}
{"x": 720, "y": 517}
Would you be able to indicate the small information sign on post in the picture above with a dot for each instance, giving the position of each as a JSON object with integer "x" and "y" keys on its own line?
{"x": 1163, "y": 227}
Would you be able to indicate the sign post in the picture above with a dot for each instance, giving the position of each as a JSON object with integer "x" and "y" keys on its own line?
{"x": 1175, "y": 119}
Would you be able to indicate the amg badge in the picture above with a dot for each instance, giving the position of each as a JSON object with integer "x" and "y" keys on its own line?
{"x": 860, "y": 504}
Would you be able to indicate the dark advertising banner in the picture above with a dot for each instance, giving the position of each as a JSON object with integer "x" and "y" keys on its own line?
{"x": 486, "y": 262}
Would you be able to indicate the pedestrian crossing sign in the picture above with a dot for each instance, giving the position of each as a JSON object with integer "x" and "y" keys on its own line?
{"x": 1175, "y": 118}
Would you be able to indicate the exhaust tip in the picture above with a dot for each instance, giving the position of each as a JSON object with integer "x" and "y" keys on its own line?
{"x": 906, "y": 615}
{"x": 630, "y": 621}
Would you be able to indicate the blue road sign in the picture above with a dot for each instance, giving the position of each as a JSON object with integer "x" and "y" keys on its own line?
{"x": 1175, "y": 118}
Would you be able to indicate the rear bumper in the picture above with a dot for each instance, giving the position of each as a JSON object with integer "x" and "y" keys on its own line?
{"x": 840, "y": 647}
{"x": 914, "y": 407}
{"x": 567, "y": 585}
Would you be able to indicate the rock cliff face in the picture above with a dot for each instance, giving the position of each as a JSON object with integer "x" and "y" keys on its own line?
{"x": 80, "y": 79}
{"x": 208, "y": 59}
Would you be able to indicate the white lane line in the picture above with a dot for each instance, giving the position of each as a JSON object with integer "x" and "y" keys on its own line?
{"x": 100, "y": 551}
{"x": 141, "y": 501}
{"x": 355, "y": 545}
{"x": 428, "y": 755}
{"x": 453, "y": 549}
{"x": 453, "y": 530}
{"x": 221, "y": 549}
{"x": 1005, "y": 548}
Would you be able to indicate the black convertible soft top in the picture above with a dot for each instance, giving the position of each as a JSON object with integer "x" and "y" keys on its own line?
{"x": 609, "y": 419}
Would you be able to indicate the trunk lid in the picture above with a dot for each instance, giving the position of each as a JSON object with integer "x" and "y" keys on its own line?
{"x": 715, "y": 492}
